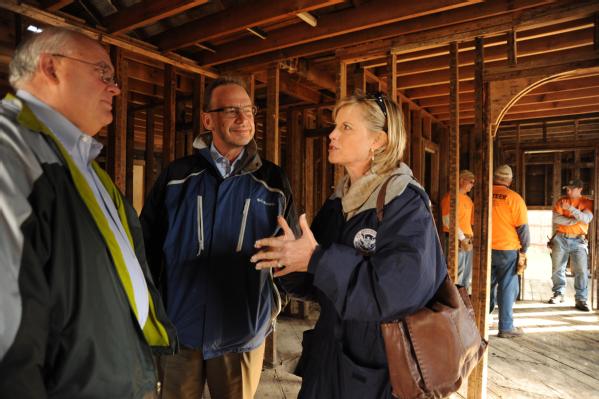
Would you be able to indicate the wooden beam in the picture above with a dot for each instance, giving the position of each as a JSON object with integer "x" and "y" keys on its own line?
{"x": 341, "y": 92}
{"x": 147, "y": 12}
{"x": 556, "y": 187}
{"x": 381, "y": 35}
{"x": 297, "y": 90}
{"x": 296, "y": 157}
{"x": 482, "y": 168}
{"x": 519, "y": 164}
{"x": 197, "y": 107}
{"x": 169, "y": 112}
{"x": 368, "y": 15}
{"x": 534, "y": 18}
{"x": 124, "y": 42}
{"x": 150, "y": 153}
{"x": 512, "y": 47}
{"x": 55, "y": 5}
{"x": 392, "y": 76}
{"x": 235, "y": 19}
{"x": 273, "y": 150}
{"x": 454, "y": 161}
{"x": 417, "y": 162}
{"x": 129, "y": 155}
{"x": 546, "y": 65}
{"x": 116, "y": 154}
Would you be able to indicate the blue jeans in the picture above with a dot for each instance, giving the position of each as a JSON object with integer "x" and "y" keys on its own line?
{"x": 464, "y": 268}
{"x": 504, "y": 286}
{"x": 563, "y": 248}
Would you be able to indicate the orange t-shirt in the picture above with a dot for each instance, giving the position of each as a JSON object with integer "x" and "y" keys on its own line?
{"x": 582, "y": 204}
{"x": 465, "y": 213}
{"x": 509, "y": 212}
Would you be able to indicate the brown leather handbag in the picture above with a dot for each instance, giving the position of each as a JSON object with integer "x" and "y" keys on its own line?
{"x": 431, "y": 352}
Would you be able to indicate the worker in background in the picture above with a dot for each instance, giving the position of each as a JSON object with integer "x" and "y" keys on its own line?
{"x": 571, "y": 217}
{"x": 464, "y": 226}
{"x": 510, "y": 241}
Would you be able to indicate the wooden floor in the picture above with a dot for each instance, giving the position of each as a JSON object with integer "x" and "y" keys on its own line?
{"x": 557, "y": 358}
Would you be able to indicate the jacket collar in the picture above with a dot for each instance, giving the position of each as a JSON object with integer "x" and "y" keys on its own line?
{"x": 250, "y": 161}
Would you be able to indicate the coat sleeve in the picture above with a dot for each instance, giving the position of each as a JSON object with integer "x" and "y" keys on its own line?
{"x": 25, "y": 242}
{"x": 399, "y": 278}
{"x": 154, "y": 226}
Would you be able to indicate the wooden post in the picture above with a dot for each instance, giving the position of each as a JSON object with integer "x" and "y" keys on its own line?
{"x": 150, "y": 159}
{"x": 309, "y": 178}
{"x": 197, "y": 107}
{"x": 180, "y": 136}
{"x": 544, "y": 132}
{"x": 483, "y": 166}
{"x": 392, "y": 76}
{"x": 512, "y": 48}
{"x": 324, "y": 164}
{"x": 416, "y": 145}
{"x": 116, "y": 153}
{"x": 295, "y": 157}
{"x": 273, "y": 154}
{"x": 341, "y": 93}
{"x": 252, "y": 87}
{"x": 557, "y": 177}
{"x": 360, "y": 79}
{"x": 272, "y": 139}
{"x": 519, "y": 164}
{"x": 407, "y": 122}
{"x": 454, "y": 160}
{"x": 169, "y": 118}
{"x": 130, "y": 150}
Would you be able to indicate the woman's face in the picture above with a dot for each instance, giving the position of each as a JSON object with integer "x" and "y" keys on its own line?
{"x": 351, "y": 141}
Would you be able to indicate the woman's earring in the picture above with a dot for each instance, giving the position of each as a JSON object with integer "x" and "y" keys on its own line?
{"x": 372, "y": 160}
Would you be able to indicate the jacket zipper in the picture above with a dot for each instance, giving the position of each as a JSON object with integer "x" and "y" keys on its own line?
{"x": 246, "y": 208}
{"x": 200, "y": 222}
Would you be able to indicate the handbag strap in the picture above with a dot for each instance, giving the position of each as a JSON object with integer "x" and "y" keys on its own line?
{"x": 380, "y": 200}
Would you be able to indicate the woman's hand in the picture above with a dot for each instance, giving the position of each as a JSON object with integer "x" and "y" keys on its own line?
{"x": 286, "y": 253}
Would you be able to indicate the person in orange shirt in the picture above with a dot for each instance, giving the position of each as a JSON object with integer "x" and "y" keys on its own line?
{"x": 571, "y": 217}
{"x": 464, "y": 227}
{"x": 510, "y": 240}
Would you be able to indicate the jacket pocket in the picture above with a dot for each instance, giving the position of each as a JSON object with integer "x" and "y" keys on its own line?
{"x": 200, "y": 223}
{"x": 357, "y": 381}
{"x": 246, "y": 209}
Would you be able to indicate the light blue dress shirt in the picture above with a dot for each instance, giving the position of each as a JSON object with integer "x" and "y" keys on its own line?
{"x": 84, "y": 149}
{"x": 224, "y": 166}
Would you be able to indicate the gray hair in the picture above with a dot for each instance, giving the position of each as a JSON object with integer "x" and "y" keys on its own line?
{"x": 27, "y": 56}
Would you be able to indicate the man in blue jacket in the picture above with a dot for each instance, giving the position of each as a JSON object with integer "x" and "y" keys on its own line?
{"x": 200, "y": 223}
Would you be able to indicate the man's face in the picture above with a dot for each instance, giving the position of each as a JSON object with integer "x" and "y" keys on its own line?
{"x": 466, "y": 184}
{"x": 574, "y": 192}
{"x": 81, "y": 94}
{"x": 230, "y": 133}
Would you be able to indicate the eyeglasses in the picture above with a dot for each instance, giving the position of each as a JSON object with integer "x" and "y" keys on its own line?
{"x": 106, "y": 73}
{"x": 235, "y": 112}
{"x": 380, "y": 100}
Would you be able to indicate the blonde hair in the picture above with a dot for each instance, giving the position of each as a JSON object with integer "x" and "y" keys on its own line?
{"x": 389, "y": 156}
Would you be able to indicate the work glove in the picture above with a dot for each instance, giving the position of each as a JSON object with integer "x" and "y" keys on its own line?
{"x": 466, "y": 244}
{"x": 522, "y": 263}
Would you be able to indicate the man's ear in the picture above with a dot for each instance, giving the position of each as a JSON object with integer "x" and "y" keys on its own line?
{"x": 47, "y": 67}
{"x": 207, "y": 120}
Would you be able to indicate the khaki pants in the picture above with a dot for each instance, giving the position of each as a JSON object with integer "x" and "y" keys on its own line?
{"x": 231, "y": 376}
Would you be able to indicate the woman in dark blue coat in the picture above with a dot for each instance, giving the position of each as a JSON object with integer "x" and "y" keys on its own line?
{"x": 362, "y": 272}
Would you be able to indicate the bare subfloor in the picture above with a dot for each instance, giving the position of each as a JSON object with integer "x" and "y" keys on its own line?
{"x": 557, "y": 358}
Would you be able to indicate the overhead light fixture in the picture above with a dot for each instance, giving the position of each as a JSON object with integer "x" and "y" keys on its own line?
{"x": 307, "y": 18}
{"x": 34, "y": 29}
{"x": 258, "y": 32}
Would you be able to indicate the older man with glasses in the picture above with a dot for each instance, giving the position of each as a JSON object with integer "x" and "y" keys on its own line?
{"x": 200, "y": 223}
{"x": 79, "y": 313}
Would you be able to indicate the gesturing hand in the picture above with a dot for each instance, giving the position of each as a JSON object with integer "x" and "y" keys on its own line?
{"x": 286, "y": 253}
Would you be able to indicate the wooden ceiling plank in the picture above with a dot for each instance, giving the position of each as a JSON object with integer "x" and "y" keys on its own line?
{"x": 382, "y": 35}
{"x": 147, "y": 12}
{"x": 535, "y": 18}
{"x": 253, "y": 13}
{"x": 366, "y": 16}
{"x": 56, "y": 5}
{"x": 123, "y": 42}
